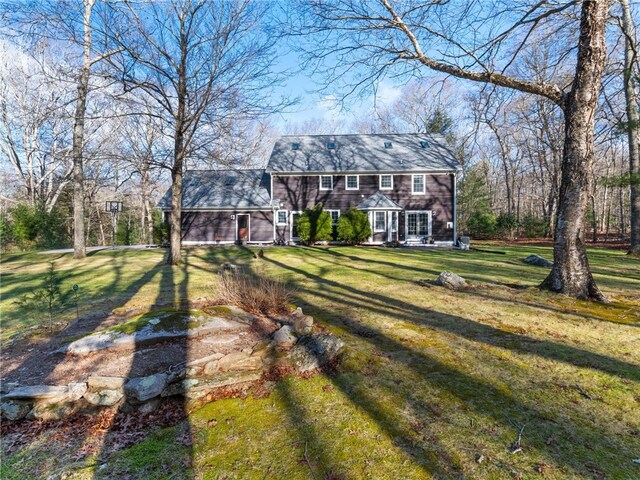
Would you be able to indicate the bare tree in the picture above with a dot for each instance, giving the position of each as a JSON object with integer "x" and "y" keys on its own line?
{"x": 633, "y": 122}
{"x": 200, "y": 62}
{"x": 34, "y": 128}
{"x": 476, "y": 42}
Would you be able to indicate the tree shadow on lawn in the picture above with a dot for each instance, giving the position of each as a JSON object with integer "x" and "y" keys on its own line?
{"x": 608, "y": 309}
{"x": 175, "y": 294}
{"x": 384, "y": 305}
{"x": 34, "y": 361}
{"x": 494, "y": 402}
{"x": 168, "y": 292}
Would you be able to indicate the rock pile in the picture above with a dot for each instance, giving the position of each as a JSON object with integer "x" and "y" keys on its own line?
{"x": 293, "y": 342}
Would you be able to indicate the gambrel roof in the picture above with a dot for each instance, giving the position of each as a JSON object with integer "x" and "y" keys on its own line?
{"x": 371, "y": 153}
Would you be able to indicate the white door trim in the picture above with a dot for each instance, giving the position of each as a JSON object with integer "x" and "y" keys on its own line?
{"x": 406, "y": 223}
{"x": 291, "y": 214}
{"x": 248, "y": 226}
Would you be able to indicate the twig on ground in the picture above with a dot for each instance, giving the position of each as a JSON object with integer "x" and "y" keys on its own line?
{"x": 583, "y": 392}
{"x": 517, "y": 445}
{"x": 306, "y": 460}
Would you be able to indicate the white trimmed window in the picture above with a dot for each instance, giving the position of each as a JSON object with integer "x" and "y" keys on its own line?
{"x": 379, "y": 221}
{"x": 417, "y": 184}
{"x": 386, "y": 182}
{"x": 282, "y": 217}
{"x": 352, "y": 182}
{"x": 326, "y": 182}
{"x": 335, "y": 215}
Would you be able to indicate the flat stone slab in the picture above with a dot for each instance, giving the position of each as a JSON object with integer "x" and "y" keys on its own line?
{"x": 39, "y": 392}
{"x": 222, "y": 331}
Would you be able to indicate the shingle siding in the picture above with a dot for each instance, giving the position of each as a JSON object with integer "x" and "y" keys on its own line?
{"x": 213, "y": 227}
{"x": 298, "y": 192}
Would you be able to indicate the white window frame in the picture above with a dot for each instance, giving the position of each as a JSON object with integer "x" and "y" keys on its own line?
{"x": 286, "y": 217}
{"x": 346, "y": 182}
{"x": 375, "y": 221}
{"x": 424, "y": 184}
{"x": 380, "y": 182}
{"x": 333, "y": 210}
{"x": 320, "y": 177}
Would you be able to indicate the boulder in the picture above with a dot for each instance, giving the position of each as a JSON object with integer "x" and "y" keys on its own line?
{"x": 104, "y": 398}
{"x": 211, "y": 367}
{"x": 148, "y": 407}
{"x": 180, "y": 388}
{"x": 50, "y": 411}
{"x": 450, "y": 280}
{"x": 53, "y": 393}
{"x": 314, "y": 351}
{"x": 99, "y": 382}
{"x": 538, "y": 261}
{"x": 228, "y": 267}
{"x": 141, "y": 389}
{"x": 239, "y": 361}
{"x": 284, "y": 338}
{"x": 76, "y": 391}
{"x": 303, "y": 324}
{"x": 14, "y": 409}
{"x": 145, "y": 407}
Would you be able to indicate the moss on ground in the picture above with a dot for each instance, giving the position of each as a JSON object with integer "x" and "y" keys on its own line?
{"x": 167, "y": 320}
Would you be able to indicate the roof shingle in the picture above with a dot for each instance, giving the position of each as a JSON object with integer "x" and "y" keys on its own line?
{"x": 222, "y": 189}
{"x": 362, "y": 153}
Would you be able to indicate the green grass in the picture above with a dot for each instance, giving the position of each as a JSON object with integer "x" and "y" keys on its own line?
{"x": 431, "y": 380}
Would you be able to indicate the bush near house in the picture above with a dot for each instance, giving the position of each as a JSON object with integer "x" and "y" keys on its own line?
{"x": 354, "y": 227}
{"x": 314, "y": 225}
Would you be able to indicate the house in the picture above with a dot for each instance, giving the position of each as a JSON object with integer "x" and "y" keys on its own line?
{"x": 406, "y": 183}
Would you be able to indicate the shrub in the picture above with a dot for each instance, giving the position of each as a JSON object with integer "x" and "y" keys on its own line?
{"x": 481, "y": 224}
{"x": 506, "y": 224}
{"x": 253, "y": 293}
{"x": 533, "y": 226}
{"x": 127, "y": 230}
{"x": 34, "y": 227}
{"x": 160, "y": 229}
{"x": 314, "y": 225}
{"x": 354, "y": 227}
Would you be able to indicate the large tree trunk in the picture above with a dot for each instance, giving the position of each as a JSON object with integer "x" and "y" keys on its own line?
{"x": 79, "y": 250}
{"x": 178, "y": 162}
{"x": 571, "y": 274}
{"x": 633, "y": 128}
{"x": 176, "y": 209}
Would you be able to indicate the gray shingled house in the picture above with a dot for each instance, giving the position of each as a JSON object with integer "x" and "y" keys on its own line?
{"x": 405, "y": 182}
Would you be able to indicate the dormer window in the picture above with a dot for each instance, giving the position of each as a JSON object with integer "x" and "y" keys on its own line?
{"x": 388, "y": 145}
{"x": 331, "y": 145}
{"x": 295, "y": 146}
{"x": 424, "y": 144}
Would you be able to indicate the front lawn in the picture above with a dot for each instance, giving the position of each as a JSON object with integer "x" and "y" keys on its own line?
{"x": 434, "y": 383}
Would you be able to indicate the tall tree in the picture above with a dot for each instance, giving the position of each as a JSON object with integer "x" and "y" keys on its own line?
{"x": 71, "y": 23}
{"x": 201, "y": 63}
{"x": 633, "y": 122}
{"x": 453, "y": 38}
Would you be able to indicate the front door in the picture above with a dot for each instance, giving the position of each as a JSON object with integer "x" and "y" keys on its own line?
{"x": 418, "y": 225}
{"x": 294, "y": 226}
{"x": 243, "y": 227}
